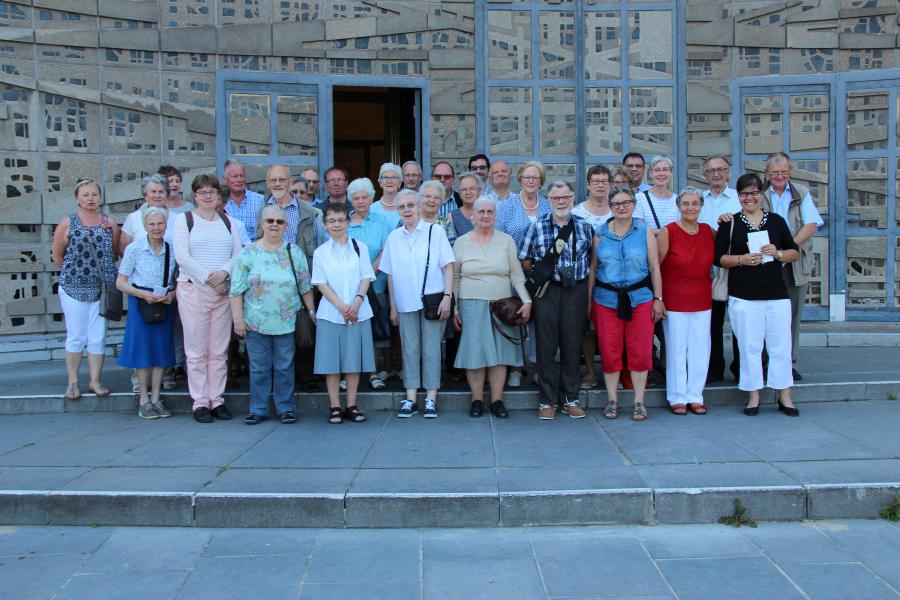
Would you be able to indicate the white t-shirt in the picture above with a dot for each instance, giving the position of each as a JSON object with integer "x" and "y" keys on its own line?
{"x": 714, "y": 206}
{"x": 666, "y": 210}
{"x": 404, "y": 257}
{"x": 594, "y": 220}
{"x": 340, "y": 268}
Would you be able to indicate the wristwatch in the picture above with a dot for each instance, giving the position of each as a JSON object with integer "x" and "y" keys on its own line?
{"x": 658, "y": 298}
{"x": 778, "y": 255}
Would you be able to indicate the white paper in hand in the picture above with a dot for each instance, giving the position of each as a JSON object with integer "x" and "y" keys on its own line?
{"x": 756, "y": 240}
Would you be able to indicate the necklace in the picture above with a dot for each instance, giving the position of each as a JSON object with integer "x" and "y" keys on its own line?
{"x": 528, "y": 208}
{"x": 686, "y": 229}
{"x": 749, "y": 223}
{"x": 391, "y": 205}
{"x": 612, "y": 227}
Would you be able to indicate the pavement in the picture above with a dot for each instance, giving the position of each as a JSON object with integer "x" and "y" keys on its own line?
{"x": 824, "y": 560}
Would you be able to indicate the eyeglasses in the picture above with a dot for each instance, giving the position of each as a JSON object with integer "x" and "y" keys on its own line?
{"x": 205, "y": 193}
{"x": 531, "y": 177}
{"x": 567, "y": 197}
{"x": 598, "y": 182}
{"x": 333, "y": 181}
{"x": 409, "y": 206}
{"x": 443, "y": 177}
{"x": 468, "y": 190}
{"x": 277, "y": 180}
{"x": 479, "y": 167}
{"x": 622, "y": 204}
{"x": 335, "y": 221}
{"x": 390, "y": 178}
{"x": 778, "y": 173}
{"x": 717, "y": 170}
{"x": 485, "y": 211}
{"x": 634, "y": 165}
{"x": 661, "y": 170}
{"x": 753, "y": 194}
{"x": 271, "y": 221}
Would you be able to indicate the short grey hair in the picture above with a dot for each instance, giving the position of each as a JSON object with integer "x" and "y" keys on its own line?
{"x": 559, "y": 183}
{"x": 363, "y": 184}
{"x": 389, "y": 167}
{"x": 149, "y": 211}
{"x": 777, "y": 157}
{"x": 268, "y": 208}
{"x": 432, "y": 183}
{"x": 411, "y": 162}
{"x": 689, "y": 191}
{"x": 471, "y": 175}
{"x": 662, "y": 158}
{"x": 409, "y": 192}
{"x": 232, "y": 162}
{"x": 155, "y": 178}
{"x": 484, "y": 200}
{"x": 622, "y": 188}
{"x": 716, "y": 157}
{"x": 298, "y": 179}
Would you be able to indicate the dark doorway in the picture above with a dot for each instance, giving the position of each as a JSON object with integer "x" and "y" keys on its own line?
{"x": 373, "y": 126}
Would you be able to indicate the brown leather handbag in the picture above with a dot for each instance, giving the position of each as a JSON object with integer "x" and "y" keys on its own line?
{"x": 506, "y": 309}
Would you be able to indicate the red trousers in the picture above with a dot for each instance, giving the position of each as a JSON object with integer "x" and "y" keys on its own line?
{"x": 634, "y": 336}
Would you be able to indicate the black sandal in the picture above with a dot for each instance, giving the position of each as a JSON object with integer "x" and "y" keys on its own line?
{"x": 352, "y": 414}
{"x": 337, "y": 415}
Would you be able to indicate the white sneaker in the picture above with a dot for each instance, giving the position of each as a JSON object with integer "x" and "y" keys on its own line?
{"x": 514, "y": 379}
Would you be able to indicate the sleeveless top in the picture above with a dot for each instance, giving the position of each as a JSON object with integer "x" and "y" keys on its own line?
{"x": 687, "y": 285}
{"x": 622, "y": 263}
{"x": 80, "y": 276}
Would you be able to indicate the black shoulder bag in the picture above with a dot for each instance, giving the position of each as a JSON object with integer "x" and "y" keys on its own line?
{"x": 304, "y": 328}
{"x": 111, "y": 301}
{"x": 652, "y": 210}
{"x": 431, "y": 302}
{"x": 541, "y": 273}
{"x": 156, "y": 312}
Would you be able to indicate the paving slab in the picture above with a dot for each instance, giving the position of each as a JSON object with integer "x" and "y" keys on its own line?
{"x": 149, "y": 549}
{"x": 496, "y": 579}
{"x": 796, "y": 542}
{"x": 471, "y": 544}
{"x": 745, "y": 579}
{"x": 839, "y": 581}
{"x": 141, "y": 479}
{"x": 703, "y": 541}
{"x": 264, "y": 577}
{"x": 53, "y": 540}
{"x": 281, "y": 481}
{"x": 123, "y": 586}
{"x": 37, "y": 577}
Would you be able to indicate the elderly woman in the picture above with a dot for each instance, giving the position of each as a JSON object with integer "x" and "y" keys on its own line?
{"x": 85, "y": 233}
{"x": 627, "y": 299}
{"x": 686, "y": 257}
{"x": 418, "y": 261}
{"x": 206, "y": 244}
{"x": 620, "y": 176}
{"x": 155, "y": 190}
{"x": 372, "y": 229}
{"x": 342, "y": 270}
{"x": 754, "y": 247}
{"x": 515, "y": 218}
{"x": 657, "y": 206}
{"x": 269, "y": 284}
{"x": 487, "y": 269}
{"x": 470, "y": 188}
{"x": 430, "y": 199}
{"x": 298, "y": 188}
{"x": 389, "y": 178}
{"x": 146, "y": 274}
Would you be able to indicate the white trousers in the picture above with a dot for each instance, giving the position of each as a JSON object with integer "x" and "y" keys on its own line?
{"x": 84, "y": 325}
{"x": 687, "y": 355}
{"x": 757, "y": 323}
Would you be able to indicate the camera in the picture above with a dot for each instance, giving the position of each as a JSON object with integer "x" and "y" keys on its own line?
{"x": 567, "y": 276}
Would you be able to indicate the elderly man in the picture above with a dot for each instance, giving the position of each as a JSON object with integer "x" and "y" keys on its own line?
{"x": 412, "y": 175}
{"x": 560, "y": 311}
{"x": 443, "y": 172}
{"x": 499, "y": 177}
{"x": 311, "y": 176}
{"x": 304, "y": 223}
{"x": 242, "y": 204}
{"x": 719, "y": 200}
{"x": 793, "y": 202}
{"x": 336, "y": 180}
{"x": 634, "y": 163}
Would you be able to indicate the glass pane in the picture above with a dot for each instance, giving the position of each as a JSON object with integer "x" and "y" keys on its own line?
{"x": 509, "y": 56}
{"x": 249, "y": 124}
{"x": 510, "y": 121}
{"x": 867, "y": 191}
{"x": 897, "y": 132}
{"x": 897, "y": 198}
{"x": 602, "y": 45}
{"x": 650, "y": 44}
{"x": 817, "y": 293}
{"x": 603, "y": 120}
{"x": 651, "y": 121}
{"x": 814, "y": 175}
{"x": 897, "y": 272}
{"x": 762, "y": 124}
{"x": 558, "y": 121}
{"x": 867, "y": 120}
{"x": 297, "y": 125}
{"x": 809, "y": 122}
{"x": 566, "y": 172}
{"x": 866, "y": 271}
{"x": 557, "y": 45}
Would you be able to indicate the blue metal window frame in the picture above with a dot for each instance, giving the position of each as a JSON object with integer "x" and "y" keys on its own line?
{"x": 323, "y": 86}
{"x": 579, "y": 7}
{"x": 838, "y": 85}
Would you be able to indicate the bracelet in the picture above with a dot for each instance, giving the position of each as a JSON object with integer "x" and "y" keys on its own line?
{"x": 739, "y": 260}
{"x": 448, "y": 295}
{"x": 359, "y": 296}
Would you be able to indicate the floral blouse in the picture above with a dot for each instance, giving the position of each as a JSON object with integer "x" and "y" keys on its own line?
{"x": 265, "y": 280}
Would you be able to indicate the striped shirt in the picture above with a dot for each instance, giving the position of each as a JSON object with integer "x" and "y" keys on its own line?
{"x": 511, "y": 218}
{"x": 666, "y": 210}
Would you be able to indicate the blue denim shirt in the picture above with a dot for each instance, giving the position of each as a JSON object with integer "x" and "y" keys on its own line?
{"x": 623, "y": 262}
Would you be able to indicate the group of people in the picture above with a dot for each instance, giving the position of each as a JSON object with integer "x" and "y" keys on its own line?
{"x": 456, "y": 275}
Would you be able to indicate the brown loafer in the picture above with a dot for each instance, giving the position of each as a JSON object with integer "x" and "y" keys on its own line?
{"x": 679, "y": 409}
{"x": 697, "y": 409}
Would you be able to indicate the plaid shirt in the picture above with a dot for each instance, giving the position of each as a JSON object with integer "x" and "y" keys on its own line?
{"x": 247, "y": 212}
{"x": 539, "y": 239}
{"x": 292, "y": 214}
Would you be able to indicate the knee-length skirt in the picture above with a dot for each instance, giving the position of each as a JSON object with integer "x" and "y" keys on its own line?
{"x": 147, "y": 345}
{"x": 344, "y": 348}
{"x": 480, "y": 344}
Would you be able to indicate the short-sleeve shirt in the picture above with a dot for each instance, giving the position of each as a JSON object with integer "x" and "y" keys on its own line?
{"x": 373, "y": 231}
{"x": 134, "y": 224}
{"x": 339, "y": 267}
{"x": 391, "y": 216}
{"x": 716, "y": 205}
{"x": 512, "y": 218}
{"x": 404, "y": 257}
{"x": 144, "y": 267}
{"x": 264, "y": 278}
{"x": 782, "y": 202}
{"x": 593, "y": 220}
{"x": 666, "y": 210}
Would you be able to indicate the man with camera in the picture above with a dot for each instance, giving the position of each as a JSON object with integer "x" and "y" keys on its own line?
{"x": 556, "y": 254}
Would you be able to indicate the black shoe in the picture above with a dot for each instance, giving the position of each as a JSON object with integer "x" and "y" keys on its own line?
{"x": 796, "y": 374}
{"x": 252, "y": 419}
{"x": 751, "y": 411}
{"x": 788, "y": 410}
{"x": 202, "y": 415}
{"x": 221, "y": 413}
{"x": 288, "y": 417}
{"x": 311, "y": 387}
{"x": 714, "y": 377}
{"x": 179, "y": 373}
{"x": 477, "y": 409}
{"x": 499, "y": 410}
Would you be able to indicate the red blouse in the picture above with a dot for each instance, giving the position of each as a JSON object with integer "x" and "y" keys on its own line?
{"x": 687, "y": 285}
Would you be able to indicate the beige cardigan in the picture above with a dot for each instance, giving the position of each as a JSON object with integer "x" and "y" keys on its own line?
{"x": 487, "y": 272}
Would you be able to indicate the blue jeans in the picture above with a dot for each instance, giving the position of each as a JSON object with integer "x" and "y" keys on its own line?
{"x": 271, "y": 354}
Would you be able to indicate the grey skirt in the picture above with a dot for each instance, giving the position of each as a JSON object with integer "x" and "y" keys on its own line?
{"x": 481, "y": 345}
{"x": 344, "y": 348}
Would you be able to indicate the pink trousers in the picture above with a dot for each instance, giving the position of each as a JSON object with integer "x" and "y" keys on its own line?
{"x": 206, "y": 319}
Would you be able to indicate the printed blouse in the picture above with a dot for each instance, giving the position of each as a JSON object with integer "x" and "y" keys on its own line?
{"x": 80, "y": 276}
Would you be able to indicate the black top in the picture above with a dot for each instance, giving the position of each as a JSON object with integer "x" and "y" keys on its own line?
{"x": 766, "y": 281}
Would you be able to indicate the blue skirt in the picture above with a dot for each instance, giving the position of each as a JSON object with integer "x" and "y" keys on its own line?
{"x": 147, "y": 345}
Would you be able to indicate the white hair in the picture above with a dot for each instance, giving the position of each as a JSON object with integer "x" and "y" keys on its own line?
{"x": 363, "y": 184}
